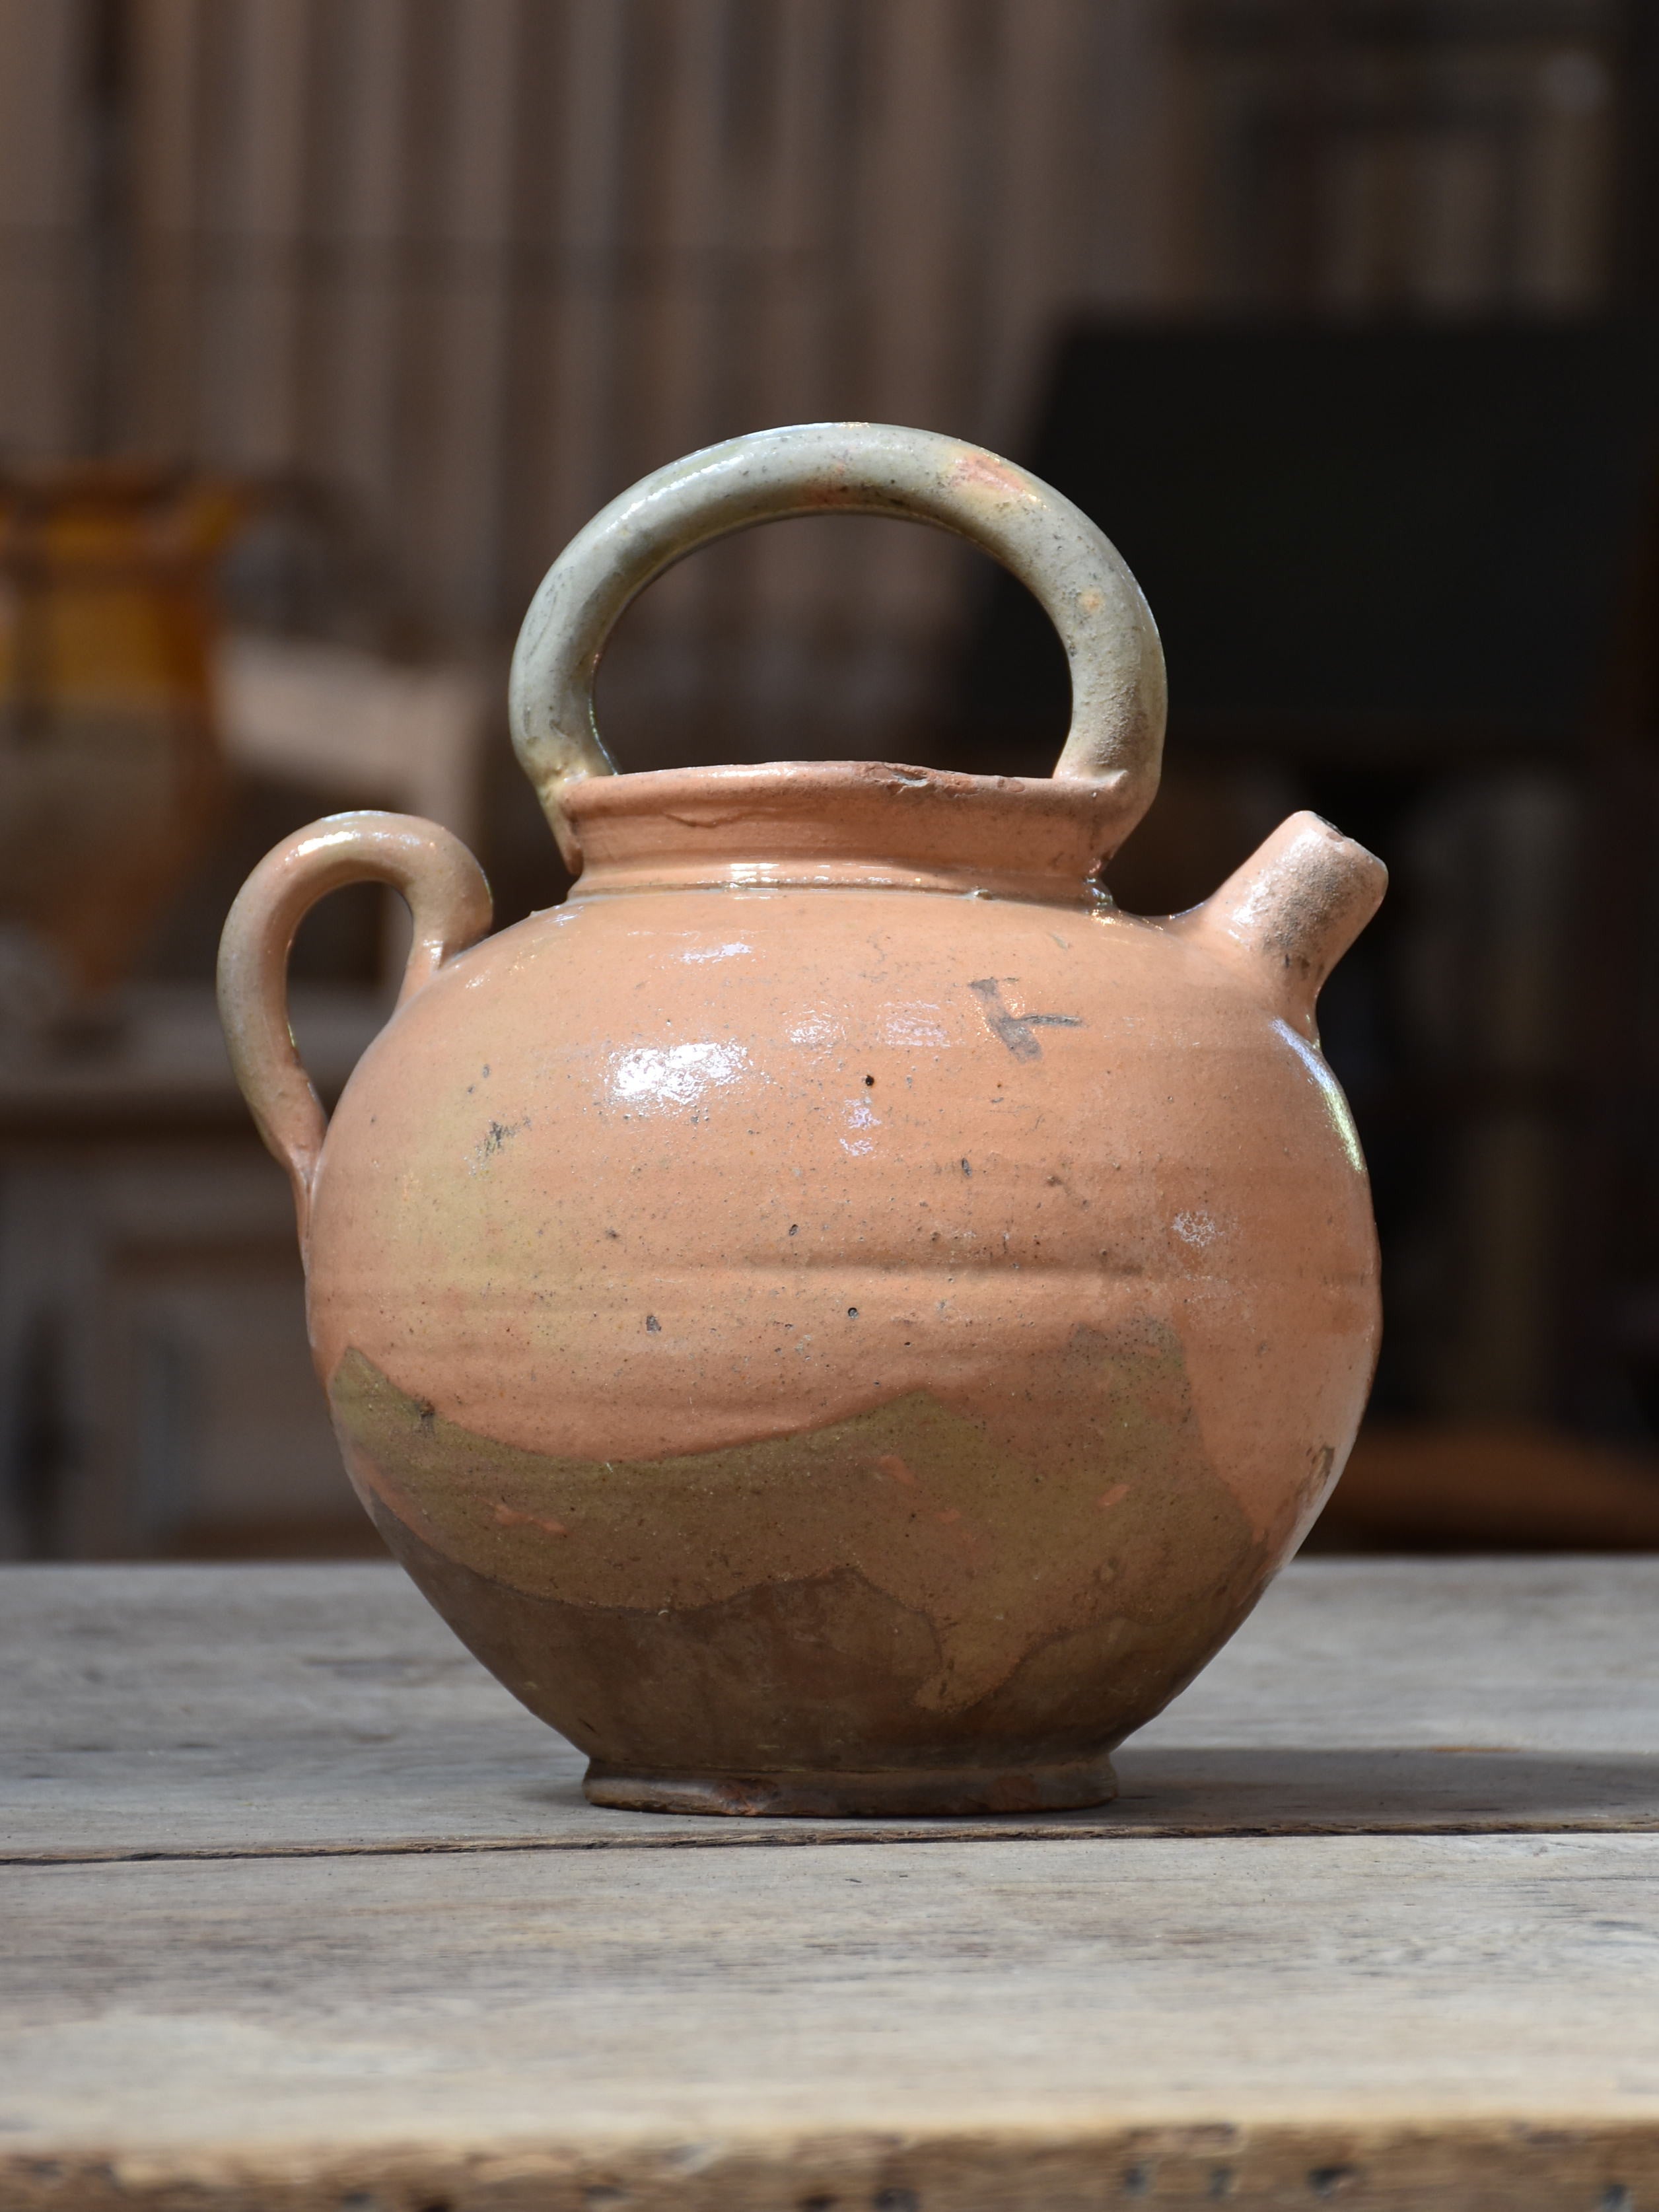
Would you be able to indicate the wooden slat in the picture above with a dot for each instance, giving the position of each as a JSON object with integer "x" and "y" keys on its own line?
{"x": 424, "y": 427}
{"x": 1395, "y": 2022}
{"x": 474, "y": 232}
{"x": 186, "y": 1710}
{"x": 912, "y": 236}
{"x": 45, "y": 303}
{"x": 1036, "y": 206}
{"x": 1149, "y": 164}
{"x": 568, "y": 390}
{"x": 794, "y": 371}
{"x": 162, "y": 401}
{"x": 680, "y": 328}
{"x": 254, "y": 201}
{"x": 355, "y": 437}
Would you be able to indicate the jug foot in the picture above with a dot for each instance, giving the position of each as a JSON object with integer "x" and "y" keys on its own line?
{"x": 887, "y": 1793}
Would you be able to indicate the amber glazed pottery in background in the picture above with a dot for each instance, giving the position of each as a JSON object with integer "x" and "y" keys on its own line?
{"x": 109, "y": 761}
{"x": 838, "y": 1317}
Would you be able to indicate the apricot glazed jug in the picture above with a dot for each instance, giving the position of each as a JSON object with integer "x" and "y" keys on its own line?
{"x": 839, "y": 1318}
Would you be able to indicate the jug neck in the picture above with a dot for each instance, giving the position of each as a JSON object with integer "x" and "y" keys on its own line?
{"x": 829, "y": 824}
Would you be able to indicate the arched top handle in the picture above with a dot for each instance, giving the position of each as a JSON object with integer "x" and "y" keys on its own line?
{"x": 1070, "y": 567}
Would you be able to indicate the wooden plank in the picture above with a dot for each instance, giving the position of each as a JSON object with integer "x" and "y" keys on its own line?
{"x": 163, "y": 400}
{"x": 573, "y": 399}
{"x": 356, "y": 376}
{"x": 204, "y": 1712}
{"x": 683, "y": 242}
{"x": 45, "y": 273}
{"x": 1038, "y": 209}
{"x": 1148, "y": 161}
{"x": 472, "y": 231}
{"x": 912, "y": 242}
{"x": 792, "y": 576}
{"x": 256, "y": 208}
{"x": 1399, "y": 2022}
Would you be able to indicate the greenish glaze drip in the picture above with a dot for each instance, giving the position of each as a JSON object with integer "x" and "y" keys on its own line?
{"x": 1112, "y": 1523}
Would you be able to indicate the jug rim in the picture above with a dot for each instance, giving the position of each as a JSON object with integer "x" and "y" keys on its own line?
{"x": 877, "y": 824}
{"x": 1115, "y": 733}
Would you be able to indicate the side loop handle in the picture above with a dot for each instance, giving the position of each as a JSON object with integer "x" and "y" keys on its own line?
{"x": 1070, "y": 567}
{"x": 449, "y": 905}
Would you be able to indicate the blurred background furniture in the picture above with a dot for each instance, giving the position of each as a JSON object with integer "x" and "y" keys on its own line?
{"x": 154, "y": 1367}
{"x": 153, "y": 1360}
{"x": 356, "y": 727}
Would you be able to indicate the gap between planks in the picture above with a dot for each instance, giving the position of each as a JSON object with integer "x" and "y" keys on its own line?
{"x": 1094, "y": 1831}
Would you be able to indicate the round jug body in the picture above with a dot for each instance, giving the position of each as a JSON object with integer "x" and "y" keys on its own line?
{"x": 831, "y": 1346}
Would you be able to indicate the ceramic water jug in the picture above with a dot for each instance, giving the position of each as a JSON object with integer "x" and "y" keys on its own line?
{"x": 837, "y": 1315}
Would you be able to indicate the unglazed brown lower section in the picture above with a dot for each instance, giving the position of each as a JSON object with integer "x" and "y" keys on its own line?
{"x": 814, "y": 1624}
{"x": 923, "y": 1792}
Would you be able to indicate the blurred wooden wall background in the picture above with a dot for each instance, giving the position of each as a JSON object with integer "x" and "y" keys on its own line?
{"x": 480, "y": 263}
{"x": 463, "y": 269}
{"x": 483, "y": 262}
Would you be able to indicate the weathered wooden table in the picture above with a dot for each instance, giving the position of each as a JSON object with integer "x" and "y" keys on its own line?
{"x": 301, "y": 1910}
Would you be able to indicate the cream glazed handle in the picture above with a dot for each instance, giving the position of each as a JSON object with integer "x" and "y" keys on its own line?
{"x": 1082, "y": 582}
{"x": 449, "y": 905}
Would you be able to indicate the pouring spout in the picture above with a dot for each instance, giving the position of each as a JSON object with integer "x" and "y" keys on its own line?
{"x": 1287, "y": 916}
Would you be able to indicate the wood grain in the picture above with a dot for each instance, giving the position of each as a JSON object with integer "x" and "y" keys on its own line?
{"x": 299, "y": 1916}
{"x": 1399, "y": 2021}
{"x": 259, "y": 1710}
